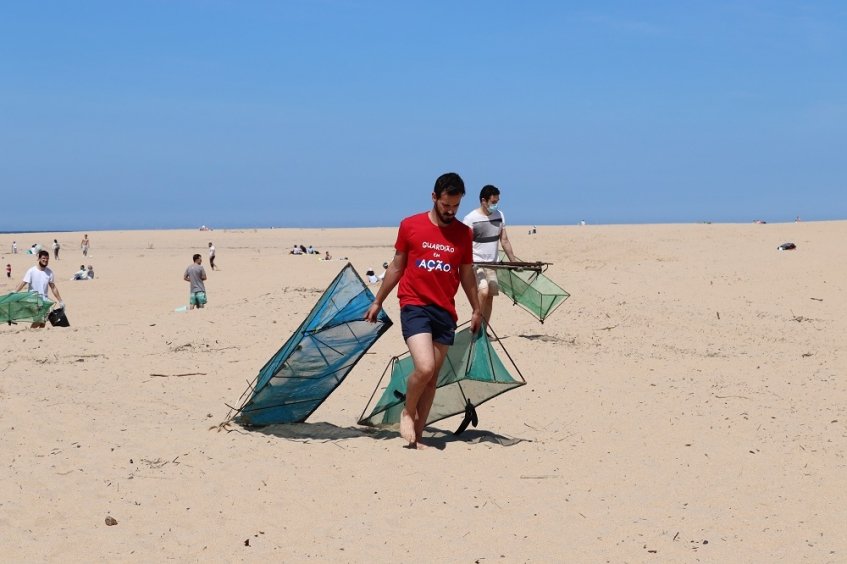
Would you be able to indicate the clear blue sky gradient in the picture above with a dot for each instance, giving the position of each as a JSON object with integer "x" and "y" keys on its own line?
{"x": 166, "y": 113}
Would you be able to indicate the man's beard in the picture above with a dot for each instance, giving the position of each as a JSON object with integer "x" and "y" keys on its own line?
{"x": 444, "y": 218}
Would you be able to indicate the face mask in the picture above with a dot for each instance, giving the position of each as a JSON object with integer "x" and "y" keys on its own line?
{"x": 492, "y": 207}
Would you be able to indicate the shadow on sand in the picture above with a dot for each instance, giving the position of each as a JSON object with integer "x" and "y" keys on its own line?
{"x": 434, "y": 437}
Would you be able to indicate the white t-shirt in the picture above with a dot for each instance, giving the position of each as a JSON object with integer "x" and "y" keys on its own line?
{"x": 212, "y": 251}
{"x": 486, "y": 234}
{"x": 39, "y": 280}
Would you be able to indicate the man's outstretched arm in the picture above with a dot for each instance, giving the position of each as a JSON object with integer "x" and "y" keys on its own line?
{"x": 56, "y": 291}
{"x": 469, "y": 286}
{"x": 507, "y": 245}
{"x": 392, "y": 276}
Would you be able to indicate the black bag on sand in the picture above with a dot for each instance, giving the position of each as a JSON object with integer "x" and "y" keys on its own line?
{"x": 58, "y": 318}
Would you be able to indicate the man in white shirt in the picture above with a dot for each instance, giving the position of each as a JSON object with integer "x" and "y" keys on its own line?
{"x": 489, "y": 232}
{"x": 212, "y": 256}
{"x": 38, "y": 279}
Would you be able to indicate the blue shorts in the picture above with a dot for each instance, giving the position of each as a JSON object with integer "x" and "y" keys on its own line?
{"x": 428, "y": 319}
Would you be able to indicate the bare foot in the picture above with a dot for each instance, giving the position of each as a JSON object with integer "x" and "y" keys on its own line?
{"x": 407, "y": 426}
{"x": 416, "y": 446}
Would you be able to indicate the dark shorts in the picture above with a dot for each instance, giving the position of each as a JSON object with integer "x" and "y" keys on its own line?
{"x": 428, "y": 319}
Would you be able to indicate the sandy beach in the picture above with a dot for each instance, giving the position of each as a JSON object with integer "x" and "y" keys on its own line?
{"x": 687, "y": 403}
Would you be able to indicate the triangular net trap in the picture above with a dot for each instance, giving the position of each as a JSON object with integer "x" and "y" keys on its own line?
{"x": 24, "y": 306}
{"x": 472, "y": 374}
{"x": 317, "y": 357}
{"x": 531, "y": 290}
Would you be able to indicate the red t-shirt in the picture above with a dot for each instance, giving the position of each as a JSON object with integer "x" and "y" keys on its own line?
{"x": 434, "y": 255}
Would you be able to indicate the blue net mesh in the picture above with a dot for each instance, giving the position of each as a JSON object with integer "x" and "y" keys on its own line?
{"x": 317, "y": 357}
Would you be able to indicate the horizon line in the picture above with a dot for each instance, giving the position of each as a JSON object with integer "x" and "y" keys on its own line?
{"x": 240, "y": 228}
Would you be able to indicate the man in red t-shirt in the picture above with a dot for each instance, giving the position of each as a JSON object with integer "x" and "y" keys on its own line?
{"x": 433, "y": 255}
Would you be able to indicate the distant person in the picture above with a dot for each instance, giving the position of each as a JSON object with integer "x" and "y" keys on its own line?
{"x": 433, "y": 255}
{"x": 8, "y": 270}
{"x": 90, "y": 272}
{"x": 38, "y": 279}
{"x": 311, "y": 250}
{"x": 302, "y": 249}
{"x": 296, "y": 250}
{"x": 212, "y": 256}
{"x": 489, "y": 232}
{"x": 85, "y": 244}
{"x": 56, "y": 248}
{"x": 384, "y": 270}
{"x": 195, "y": 275}
{"x": 81, "y": 274}
{"x": 14, "y": 247}
{"x": 327, "y": 256}
{"x": 371, "y": 276}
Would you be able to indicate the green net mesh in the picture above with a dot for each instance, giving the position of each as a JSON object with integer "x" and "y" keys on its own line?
{"x": 471, "y": 372}
{"x": 531, "y": 290}
{"x": 24, "y": 306}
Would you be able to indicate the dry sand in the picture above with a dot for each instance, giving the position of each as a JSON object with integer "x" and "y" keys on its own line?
{"x": 686, "y": 404}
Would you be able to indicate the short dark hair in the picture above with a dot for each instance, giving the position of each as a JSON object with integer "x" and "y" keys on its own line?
{"x": 195, "y": 257}
{"x": 487, "y": 191}
{"x": 43, "y": 253}
{"x": 451, "y": 183}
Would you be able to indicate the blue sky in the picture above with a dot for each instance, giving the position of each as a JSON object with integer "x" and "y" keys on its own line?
{"x": 154, "y": 114}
